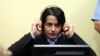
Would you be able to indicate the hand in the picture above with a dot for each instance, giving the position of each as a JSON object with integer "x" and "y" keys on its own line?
{"x": 36, "y": 27}
{"x": 68, "y": 29}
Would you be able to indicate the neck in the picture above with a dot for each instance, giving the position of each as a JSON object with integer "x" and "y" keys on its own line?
{"x": 53, "y": 39}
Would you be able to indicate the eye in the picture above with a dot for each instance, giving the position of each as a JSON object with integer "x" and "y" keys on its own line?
{"x": 49, "y": 24}
{"x": 57, "y": 25}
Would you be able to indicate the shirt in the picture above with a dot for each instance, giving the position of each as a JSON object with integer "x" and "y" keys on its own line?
{"x": 96, "y": 15}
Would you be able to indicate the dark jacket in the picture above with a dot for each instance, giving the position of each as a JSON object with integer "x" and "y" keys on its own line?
{"x": 24, "y": 47}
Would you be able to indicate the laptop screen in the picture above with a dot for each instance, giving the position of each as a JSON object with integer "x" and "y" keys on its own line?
{"x": 61, "y": 50}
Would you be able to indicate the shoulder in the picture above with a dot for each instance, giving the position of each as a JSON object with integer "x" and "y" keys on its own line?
{"x": 21, "y": 46}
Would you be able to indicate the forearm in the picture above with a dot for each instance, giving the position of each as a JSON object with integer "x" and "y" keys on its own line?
{"x": 77, "y": 39}
{"x": 19, "y": 46}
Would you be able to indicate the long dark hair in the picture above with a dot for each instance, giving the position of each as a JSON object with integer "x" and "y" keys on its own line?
{"x": 55, "y": 11}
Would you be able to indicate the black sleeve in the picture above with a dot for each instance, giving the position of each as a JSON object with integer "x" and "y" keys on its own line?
{"x": 22, "y": 46}
{"x": 77, "y": 40}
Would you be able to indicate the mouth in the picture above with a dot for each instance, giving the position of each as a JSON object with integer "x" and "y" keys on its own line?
{"x": 53, "y": 34}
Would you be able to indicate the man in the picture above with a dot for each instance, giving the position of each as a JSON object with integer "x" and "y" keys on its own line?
{"x": 96, "y": 17}
{"x": 51, "y": 30}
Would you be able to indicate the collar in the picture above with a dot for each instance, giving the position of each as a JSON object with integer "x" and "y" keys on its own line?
{"x": 53, "y": 42}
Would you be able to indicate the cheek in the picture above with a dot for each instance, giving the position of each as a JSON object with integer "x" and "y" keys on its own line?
{"x": 46, "y": 29}
{"x": 59, "y": 29}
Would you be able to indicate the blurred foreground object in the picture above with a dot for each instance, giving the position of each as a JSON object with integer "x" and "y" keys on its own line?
{"x": 4, "y": 51}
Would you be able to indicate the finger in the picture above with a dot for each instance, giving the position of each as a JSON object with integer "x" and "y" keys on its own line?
{"x": 67, "y": 33}
{"x": 33, "y": 29}
{"x": 40, "y": 23}
{"x": 38, "y": 32}
{"x": 66, "y": 29}
{"x": 38, "y": 27}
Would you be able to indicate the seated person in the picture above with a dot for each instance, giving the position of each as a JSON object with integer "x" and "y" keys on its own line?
{"x": 51, "y": 29}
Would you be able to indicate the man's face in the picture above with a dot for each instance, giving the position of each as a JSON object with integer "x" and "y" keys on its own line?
{"x": 52, "y": 28}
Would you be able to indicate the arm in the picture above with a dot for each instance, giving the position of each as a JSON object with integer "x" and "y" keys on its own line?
{"x": 77, "y": 39}
{"x": 69, "y": 32}
{"x": 22, "y": 46}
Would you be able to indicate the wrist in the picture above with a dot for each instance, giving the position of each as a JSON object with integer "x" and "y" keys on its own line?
{"x": 71, "y": 35}
{"x": 32, "y": 35}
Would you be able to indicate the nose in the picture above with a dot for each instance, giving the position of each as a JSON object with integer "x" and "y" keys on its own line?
{"x": 53, "y": 28}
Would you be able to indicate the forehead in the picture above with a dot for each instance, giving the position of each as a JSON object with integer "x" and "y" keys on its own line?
{"x": 51, "y": 19}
